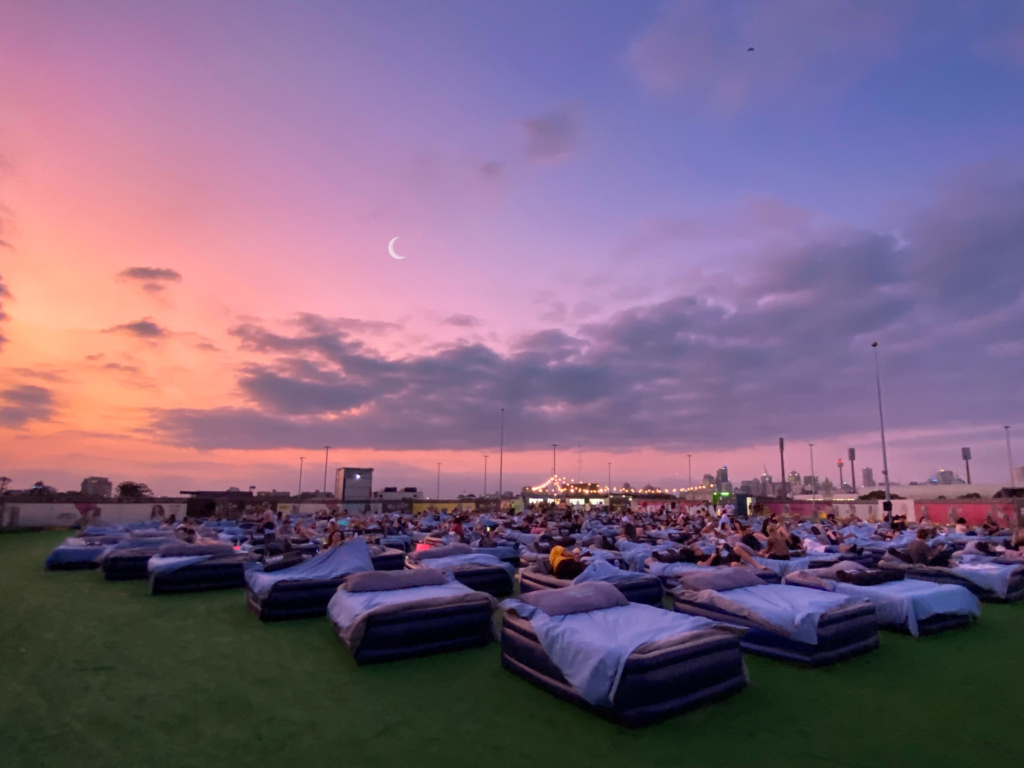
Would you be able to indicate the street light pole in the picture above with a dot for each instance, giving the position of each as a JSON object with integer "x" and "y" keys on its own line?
{"x": 327, "y": 451}
{"x": 554, "y": 459}
{"x": 485, "y": 474}
{"x": 438, "y": 480}
{"x": 689, "y": 470}
{"x": 301, "y": 459}
{"x": 881, "y": 422}
{"x": 501, "y": 458}
{"x": 609, "y": 478}
{"x": 1009, "y": 458}
{"x": 814, "y": 482}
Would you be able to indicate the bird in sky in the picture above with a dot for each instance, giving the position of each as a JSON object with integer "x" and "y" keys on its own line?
{"x": 750, "y": 50}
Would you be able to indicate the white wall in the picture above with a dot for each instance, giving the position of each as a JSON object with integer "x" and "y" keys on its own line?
{"x": 70, "y": 515}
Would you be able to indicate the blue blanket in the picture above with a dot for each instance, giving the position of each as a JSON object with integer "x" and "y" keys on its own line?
{"x": 351, "y": 557}
{"x": 347, "y": 608}
{"x": 782, "y": 567}
{"x": 794, "y": 611}
{"x": 991, "y": 576}
{"x": 899, "y": 603}
{"x": 448, "y": 563}
{"x": 590, "y": 649}
{"x": 670, "y": 570}
{"x": 602, "y": 570}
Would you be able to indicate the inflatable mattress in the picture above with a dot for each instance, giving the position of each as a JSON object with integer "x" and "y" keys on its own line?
{"x": 629, "y": 663}
{"x": 644, "y": 588}
{"x": 909, "y": 606}
{"x": 794, "y": 624}
{"x": 414, "y": 614}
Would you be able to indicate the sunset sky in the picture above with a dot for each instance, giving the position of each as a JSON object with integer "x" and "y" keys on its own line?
{"x": 637, "y": 236}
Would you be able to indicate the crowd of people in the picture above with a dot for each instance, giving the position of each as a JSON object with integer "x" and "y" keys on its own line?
{"x": 704, "y": 534}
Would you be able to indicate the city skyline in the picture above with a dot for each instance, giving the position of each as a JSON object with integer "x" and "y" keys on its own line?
{"x": 634, "y": 235}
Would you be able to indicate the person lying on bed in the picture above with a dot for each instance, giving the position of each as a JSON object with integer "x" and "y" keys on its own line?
{"x": 565, "y": 564}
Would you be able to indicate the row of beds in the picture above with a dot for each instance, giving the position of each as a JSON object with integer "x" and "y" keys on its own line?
{"x": 604, "y": 642}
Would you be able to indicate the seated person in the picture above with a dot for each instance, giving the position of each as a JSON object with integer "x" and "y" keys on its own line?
{"x": 961, "y": 526}
{"x": 919, "y": 553}
{"x": 777, "y": 547}
{"x": 565, "y": 564}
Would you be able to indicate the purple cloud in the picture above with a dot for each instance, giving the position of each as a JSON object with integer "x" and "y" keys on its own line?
{"x": 153, "y": 279}
{"x": 789, "y": 346}
{"x": 25, "y": 403}
{"x": 143, "y": 329}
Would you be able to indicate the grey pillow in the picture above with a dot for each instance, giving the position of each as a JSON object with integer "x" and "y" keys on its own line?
{"x": 719, "y": 579}
{"x": 385, "y": 581}
{"x": 582, "y": 598}
{"x": 447, "y": 551}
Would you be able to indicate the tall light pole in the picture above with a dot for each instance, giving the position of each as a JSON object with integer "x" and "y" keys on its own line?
{"x": 814, "y": 481}
{"x": 782, "y": 461}
{"x": 851, "y": 453}
{"x": 881, "y": 422}
{"x": 301, "y": 459}
{"x": 501, "y": 458}
{"x": 1009, "y": 457}
{"x": 327, "y": 451}
{"x": 609, "y": 478}
{"x": 485, "y": 474}
{"x": 554, "y": 459}
{"x": 438, "y": 480}
{"x": 689, "y": 470}
{"x": 839, "y": 463}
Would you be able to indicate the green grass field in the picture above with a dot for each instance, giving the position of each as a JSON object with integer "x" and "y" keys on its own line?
{"x": 103, "y": 674}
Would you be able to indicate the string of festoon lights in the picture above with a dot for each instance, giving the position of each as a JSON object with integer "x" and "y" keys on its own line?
{"x": 557, "y": 485}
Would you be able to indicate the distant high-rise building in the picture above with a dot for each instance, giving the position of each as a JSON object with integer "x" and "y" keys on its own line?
{"x": 97, "y": 486}
{"x": 867, "y": 477}
{"x": 709, "y": 480}
{"x": 722, "y": 476}
{"x": 945, "y": 477}
{"x": 353, "y": 483}
{"x": 1018, "y": 476}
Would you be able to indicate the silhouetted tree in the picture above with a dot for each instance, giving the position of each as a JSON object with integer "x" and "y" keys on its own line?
{"x": 132, "y": 490}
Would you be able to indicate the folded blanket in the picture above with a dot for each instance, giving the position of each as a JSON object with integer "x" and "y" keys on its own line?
{"x": 719, "y": 579}
{"x": 475, "y": 558}
{"x": 602, "y": 570}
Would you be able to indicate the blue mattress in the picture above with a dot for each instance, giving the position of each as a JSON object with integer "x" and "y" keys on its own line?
{"x": 655, "y": 684}
{"x": 644, "y": 589}
{"x": 1014, "y": 593}
{"x": 842, "y": 633}
{"x": 129, "y": 563}
{"x": 419, "y": 631}
{"x": 74, "y": 558}
{"x": 891, "y": 616}
{"x": 388, "y": 560}
{"x": 494, "y": 580}
{"x": 218, "y": 572}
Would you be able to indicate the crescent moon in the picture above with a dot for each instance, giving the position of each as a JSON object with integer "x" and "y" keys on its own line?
{"x": 391, "y": 249}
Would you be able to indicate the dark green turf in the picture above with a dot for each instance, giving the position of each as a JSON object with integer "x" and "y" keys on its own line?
{"x": 102, "y": 674}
